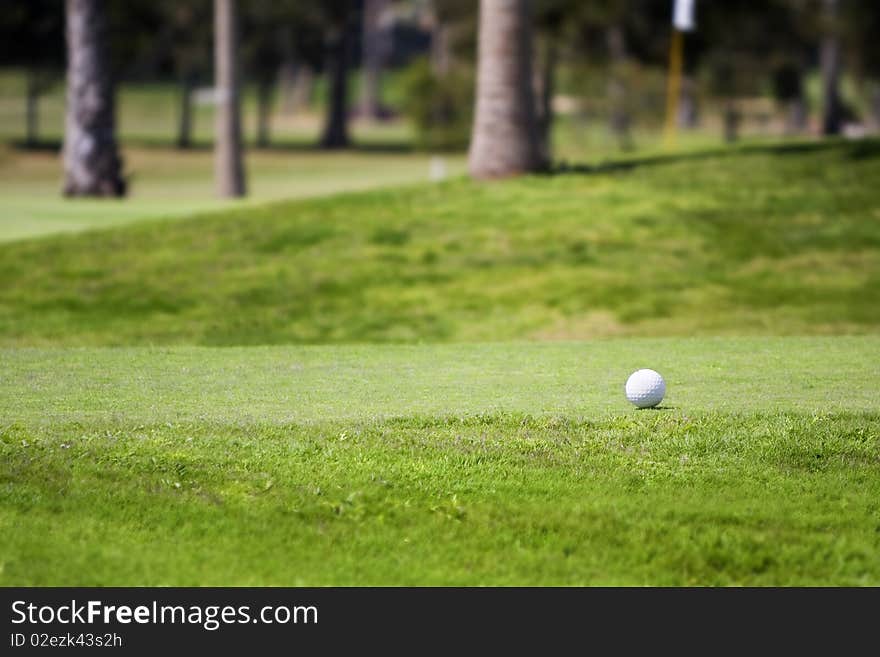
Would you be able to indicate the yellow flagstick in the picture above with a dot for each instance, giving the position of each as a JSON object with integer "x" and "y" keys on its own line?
{"x": 682, "y": 21}
{"x": 673, "y": 88}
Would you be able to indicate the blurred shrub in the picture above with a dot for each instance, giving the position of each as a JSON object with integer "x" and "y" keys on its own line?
{"x": 787, "y": 82}
{"x": 440, "y": 107}
{"x": 734, "y": 73}
{"x": 588, "y": 86}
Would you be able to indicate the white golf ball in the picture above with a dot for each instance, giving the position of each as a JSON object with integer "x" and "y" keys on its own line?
{"x": 645, "y": 388}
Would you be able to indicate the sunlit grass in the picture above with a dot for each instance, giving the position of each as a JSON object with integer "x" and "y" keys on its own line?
{"x": 456, "y": 465}
{"x": 767, "y": 240}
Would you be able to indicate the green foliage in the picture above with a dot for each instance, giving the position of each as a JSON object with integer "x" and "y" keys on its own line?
{"x": 788, "y": 82}
{"x": 644, "y": 99}
{"x": 439, "y": 106}
{"x": 767, "y": 240}
{"x": 441, "y": 465}
{"x": 32, "y": 34}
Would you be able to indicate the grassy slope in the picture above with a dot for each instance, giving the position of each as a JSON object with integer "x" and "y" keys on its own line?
{"x": 448, "y": 464}
{"x": 760, "y": 241}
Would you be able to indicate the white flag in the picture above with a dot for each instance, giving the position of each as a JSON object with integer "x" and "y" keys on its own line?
{"x": 683, "y": 15}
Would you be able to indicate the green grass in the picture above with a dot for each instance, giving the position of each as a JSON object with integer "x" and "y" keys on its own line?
{"x": 310, "y": 384}
{"x": 134, "y": 451}
{"x": 450, "y": 464}
{"x": 765, "y": 240}
{"x": 171, "y": 184}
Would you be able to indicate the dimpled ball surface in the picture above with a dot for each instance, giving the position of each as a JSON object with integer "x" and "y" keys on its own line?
{"x": 645, "y": 388}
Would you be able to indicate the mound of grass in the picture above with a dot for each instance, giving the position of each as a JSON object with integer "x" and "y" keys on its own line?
{"x": 375, "y": 465}
{"x": 776, "y": 240}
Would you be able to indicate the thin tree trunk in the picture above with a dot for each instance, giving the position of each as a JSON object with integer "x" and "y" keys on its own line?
{"x": 832, "y": 109}
{"x": 545, "y": 88}
{"x": 688, "y": 110}
{"x": 32, "y": 137}
{"x": 796, "y": 119}
{"x": 620, "y": 119}
{"x": 373, "y": 58}
{"x": 441, "y": 57}
{"x": 731, "y": 121}
{"x": 228, "y": 164}
{"x": 264, "y": 112}
{"x": 338, "y": 53}
{"x": 875, "y": 107}
{"x": 185, "y": 120}
{"x": 304, "y": 86}
{"x": 505, "y": 136}
{"x": 286, "y": 69}
{"x": 287, "y": 85}
{"x": 92, "y": 165}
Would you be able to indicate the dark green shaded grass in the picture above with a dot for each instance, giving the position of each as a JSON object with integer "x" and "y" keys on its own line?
{"x": 758, "y": 241}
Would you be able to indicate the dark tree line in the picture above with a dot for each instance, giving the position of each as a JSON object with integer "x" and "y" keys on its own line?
{"x": 513, "y": 48}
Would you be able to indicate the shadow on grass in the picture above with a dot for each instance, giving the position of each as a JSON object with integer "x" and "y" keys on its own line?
{"x": 356, "y": 147}
{"x": 856, "y": 150}
{"x": 42, "y": 146}
{"x": 862, "y": 149}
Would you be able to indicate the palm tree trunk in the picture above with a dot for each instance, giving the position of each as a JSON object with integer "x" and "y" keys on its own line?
{"x": 505, "y": 135}
{"x": 228, "y": 164}
{"x": 338, "y": 53}
{"x": 92, "y": 165}
{"x": 832, "y": 108}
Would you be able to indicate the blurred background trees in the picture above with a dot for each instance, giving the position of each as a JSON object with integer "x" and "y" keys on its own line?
{"x": 403, "y": 73}
{"x": 32, "y": 37}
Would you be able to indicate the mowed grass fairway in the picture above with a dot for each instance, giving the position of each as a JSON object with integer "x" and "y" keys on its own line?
{"x": 424, "y": 385}
{"x": 457, "y": 464}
